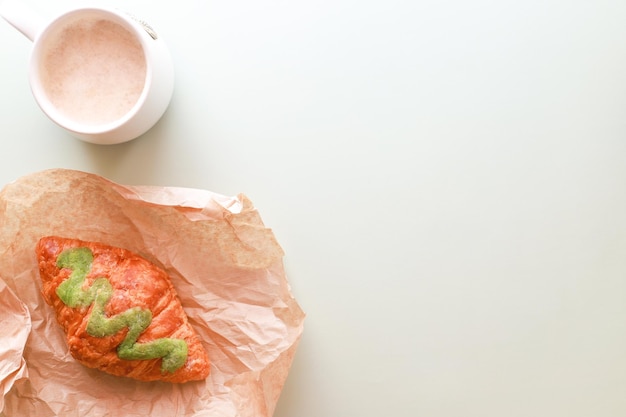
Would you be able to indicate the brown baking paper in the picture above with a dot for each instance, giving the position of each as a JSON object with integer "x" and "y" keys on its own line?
{"x": 14, "y": 329}
{"x": 225, "y": 264}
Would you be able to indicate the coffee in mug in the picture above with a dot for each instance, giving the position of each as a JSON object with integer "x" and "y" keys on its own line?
{"x": 93, "y": 70}
{"x": 100, "y": 73}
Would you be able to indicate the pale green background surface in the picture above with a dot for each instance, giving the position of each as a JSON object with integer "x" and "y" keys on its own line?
{"x": 447, "y": 178}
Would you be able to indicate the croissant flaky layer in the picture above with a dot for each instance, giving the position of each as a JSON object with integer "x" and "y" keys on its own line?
{"x": 119, "y": 311}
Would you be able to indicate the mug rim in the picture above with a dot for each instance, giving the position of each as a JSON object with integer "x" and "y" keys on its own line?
{"x": 41, "y": 97}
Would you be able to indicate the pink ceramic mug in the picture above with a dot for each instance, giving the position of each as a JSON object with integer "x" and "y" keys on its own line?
{"x": 101, "y": 74}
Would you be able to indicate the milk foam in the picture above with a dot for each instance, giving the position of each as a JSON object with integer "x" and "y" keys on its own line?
{"x": 94, "y": 71}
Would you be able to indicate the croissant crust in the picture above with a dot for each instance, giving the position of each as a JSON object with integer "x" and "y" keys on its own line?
{"x": 120, "y": 312}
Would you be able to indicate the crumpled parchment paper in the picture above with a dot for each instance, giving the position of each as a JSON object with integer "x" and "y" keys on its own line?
{"x": 225, "y": 264}
{"x": 14, "y": 329}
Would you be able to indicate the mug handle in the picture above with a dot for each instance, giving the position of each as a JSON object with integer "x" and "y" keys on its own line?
{"x": 22, "y": 18}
